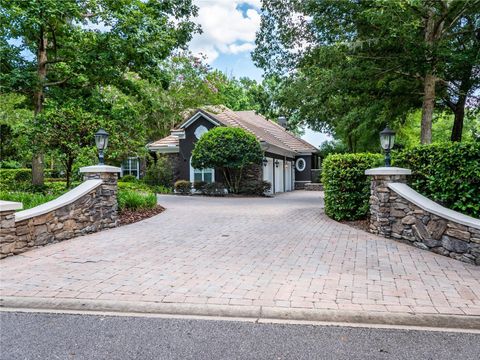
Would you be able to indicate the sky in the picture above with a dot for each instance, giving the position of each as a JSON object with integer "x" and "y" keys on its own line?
{"x": 228, "y": 38}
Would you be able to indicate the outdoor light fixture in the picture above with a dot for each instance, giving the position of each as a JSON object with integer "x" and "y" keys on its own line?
{"x": 277, "y": 163}
{"x": 101, "y": 140}
{"x": 265, "y": 161}
{"x": 387, "y": 139}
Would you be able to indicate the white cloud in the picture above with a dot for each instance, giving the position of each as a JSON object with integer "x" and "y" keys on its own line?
{"x": 225, "y": 28}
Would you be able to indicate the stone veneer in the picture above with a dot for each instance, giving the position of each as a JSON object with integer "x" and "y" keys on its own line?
{"x": 429, "y": 227}
{"x": 94, "y": 210}
{"x": 313, "y": 187}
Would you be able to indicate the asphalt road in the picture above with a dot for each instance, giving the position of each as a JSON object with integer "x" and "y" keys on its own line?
{"x": 63, "y": 336}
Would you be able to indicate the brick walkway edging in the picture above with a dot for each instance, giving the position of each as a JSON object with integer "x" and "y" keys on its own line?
{"x": 465, "y": 322}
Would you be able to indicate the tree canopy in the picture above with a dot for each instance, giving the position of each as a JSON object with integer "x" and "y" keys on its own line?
{"x": 350, "y": 67}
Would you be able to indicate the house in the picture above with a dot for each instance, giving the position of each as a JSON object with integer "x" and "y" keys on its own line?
{"x": 287, "y": 163}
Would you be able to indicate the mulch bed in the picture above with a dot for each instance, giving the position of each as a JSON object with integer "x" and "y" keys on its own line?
{"x": 358, "y": 224}
{"x": 130, "y": 216}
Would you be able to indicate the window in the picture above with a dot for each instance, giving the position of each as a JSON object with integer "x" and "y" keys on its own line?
{"x": 300, "y": 164}
{"x": 131, "y": 166}
{"x": 196, "y": 175}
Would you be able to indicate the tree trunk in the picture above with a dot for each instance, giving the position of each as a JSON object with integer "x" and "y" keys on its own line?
{"x": 38, "y": 97}
{"x": 433, "y": 32}
{"x": 68, "y": 170}
{"x": 459, "y": 112}
{"x": 427, "y": 109}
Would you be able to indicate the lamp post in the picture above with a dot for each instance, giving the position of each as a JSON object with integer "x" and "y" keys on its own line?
{"x": 387, "y": 139}
{"x": 101, "y": 140}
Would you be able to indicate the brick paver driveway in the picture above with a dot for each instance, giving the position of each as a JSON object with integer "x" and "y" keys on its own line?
{"x": 281, "y": 252}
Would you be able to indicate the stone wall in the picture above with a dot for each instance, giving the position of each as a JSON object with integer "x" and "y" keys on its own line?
{"x": 313, "y": 187}
{"x": 442, "y": 231}
{"x": 94, "y": 210}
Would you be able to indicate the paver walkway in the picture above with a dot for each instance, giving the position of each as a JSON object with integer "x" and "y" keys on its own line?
{"x": 281, "y": 252}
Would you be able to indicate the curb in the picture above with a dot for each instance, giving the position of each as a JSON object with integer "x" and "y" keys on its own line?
{"x": 465, "y": 322}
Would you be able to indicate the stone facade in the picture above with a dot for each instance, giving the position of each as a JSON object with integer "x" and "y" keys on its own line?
{"x": 94, "y": 211}
{"x": 391, "y": 215}
{"x": 7, "y": 232}
{"x": 313, "y": 187}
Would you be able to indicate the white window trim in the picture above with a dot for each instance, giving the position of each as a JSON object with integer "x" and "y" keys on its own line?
{"x": 192, "y": 173}
{"x": 129, "y": 159}
{"x": 297, "y": 164}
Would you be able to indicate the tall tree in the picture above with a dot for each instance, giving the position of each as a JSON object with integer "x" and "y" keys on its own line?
{"x": 379, "y": 44}
{"x": 76, "y": 45}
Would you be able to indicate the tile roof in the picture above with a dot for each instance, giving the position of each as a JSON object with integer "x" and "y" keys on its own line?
{"x": 256, "y": 124}
{"x": 170, "y": 140}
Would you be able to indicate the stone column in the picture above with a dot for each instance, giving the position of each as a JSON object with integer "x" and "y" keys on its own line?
{"x": 380, "y": 197}
{"x": 8, "y": 236}
{"x": 105, "y": 210}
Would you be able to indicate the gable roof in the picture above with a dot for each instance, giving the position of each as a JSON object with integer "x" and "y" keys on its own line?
{"x": 263, "y": 129}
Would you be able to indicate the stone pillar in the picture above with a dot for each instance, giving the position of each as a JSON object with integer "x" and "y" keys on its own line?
{"x": 8, "y": 236}
{"x": 105, "y": 210}
{"x": 380, "y": 197}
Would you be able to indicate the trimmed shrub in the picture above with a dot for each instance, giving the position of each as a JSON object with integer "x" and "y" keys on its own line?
{"x": 447, "y": 173}
{"x": 183, "y": 187}
{"x": 214, "y": 189}
{"x": 134, "y": 200}
{"x": 255, "y": 187}
{"x": 347, "y": 188}
{"x": 128, "y": 178}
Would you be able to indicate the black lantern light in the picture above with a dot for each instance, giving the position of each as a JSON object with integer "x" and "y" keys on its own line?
{"x": 277, "y": 163}
{"x": 264, "y": 161}
{"x": 387, "y": 139}
{"x": 101, "y": 140}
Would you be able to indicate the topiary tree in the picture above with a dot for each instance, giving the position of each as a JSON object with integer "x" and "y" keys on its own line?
{"x": 230, "y": 149}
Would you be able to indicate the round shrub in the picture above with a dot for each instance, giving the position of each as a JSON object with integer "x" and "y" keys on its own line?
{"x": 128, "y": 178}
{"x": 214, "y": 189}
{"x": 183, "y": 187}
{"x": 230, "y": 149}
{"x": 347, "y": 188}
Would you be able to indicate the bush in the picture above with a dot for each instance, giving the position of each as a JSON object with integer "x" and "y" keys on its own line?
{"x": 229, "y": 149}
{"x": 255, "y": 187}
{"x": 183, "y": 187}
{"x": 347, "y": 188}
{"x": 10, "y": 164}
{"x": 128, "y": 178}
{"x": 159, "y": 173}
{"x": 199, "y": 186}
{"x": 214, "y": 189}
{"x": 447, "y": 173}
{"x": 134, "y": 200}
{"x": 15, "y": 179}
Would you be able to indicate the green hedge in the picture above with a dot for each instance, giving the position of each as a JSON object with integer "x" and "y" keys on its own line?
{"x": 347, "y": 188}
{"x": 134, "y": 200}
{"x": 446, "y": 173}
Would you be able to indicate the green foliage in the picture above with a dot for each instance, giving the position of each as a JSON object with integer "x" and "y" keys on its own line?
{"x": 10, "y": 164}
{"x": 447, "y": 173}
{"x": 183, "y": 187}
{"x": 230, "y": 149}
{"x": 347, "y": 188}
{"x": 128, "y": 178}
{"x": 255, "y": 187}
{"x": 331, "y": 147}
{"x": 28, "y": 199}
{"x": 134, "y": 200}
{"x": 361, "y": 64}
{"x": 15, "y": 179}
{"x": 214, "y": 189}
{"x": 159, "y": 173}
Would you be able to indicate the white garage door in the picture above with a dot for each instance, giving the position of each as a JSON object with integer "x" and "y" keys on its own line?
{"x": 279, "y": 176}
{"x": 268, "y": 172}
{"x": 288, "y": 176}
